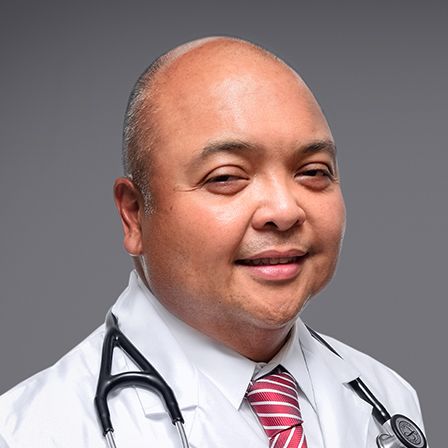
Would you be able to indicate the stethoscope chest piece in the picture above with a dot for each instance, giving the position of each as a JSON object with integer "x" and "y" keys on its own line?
{"x": 405, "y": 434}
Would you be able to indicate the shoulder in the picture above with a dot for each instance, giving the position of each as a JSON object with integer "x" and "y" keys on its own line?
{"x": 387, "y": 384}
{"x": 366, "y": 364}
{"x": 51, "y": 397}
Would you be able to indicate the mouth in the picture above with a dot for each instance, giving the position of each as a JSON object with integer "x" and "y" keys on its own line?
{"x": 274, "y": 266}
{"x": 268, "y": 261}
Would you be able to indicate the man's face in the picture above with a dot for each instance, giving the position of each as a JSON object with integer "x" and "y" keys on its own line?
{"x": 248, "y": 213}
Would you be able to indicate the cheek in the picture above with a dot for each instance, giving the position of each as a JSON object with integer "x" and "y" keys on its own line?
{"x": 328, "y": 226}
{"x": 202, "y": 230}
{"x": 329, "y": 223}
{"x": 221, "y": 212}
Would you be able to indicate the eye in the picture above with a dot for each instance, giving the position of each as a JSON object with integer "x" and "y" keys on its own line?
{"x": 222, "y": 178}
{"x": 226, "y": 183}
{"x": 316, "y": 176}
{"x": 317, "y": 172}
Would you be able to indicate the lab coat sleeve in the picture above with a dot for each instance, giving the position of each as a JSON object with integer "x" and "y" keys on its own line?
{"x": 3, "y": 443}
{"x": 419, "y": 414}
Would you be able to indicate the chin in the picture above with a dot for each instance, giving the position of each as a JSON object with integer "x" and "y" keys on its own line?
{"x": 279, "y": 316}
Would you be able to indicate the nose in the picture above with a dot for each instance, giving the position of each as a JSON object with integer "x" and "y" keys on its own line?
{"x": 278, "y": 207}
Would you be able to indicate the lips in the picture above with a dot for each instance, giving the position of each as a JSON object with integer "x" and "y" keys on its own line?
{"x": 273, "y": 265}
{"x": 267, "y": 261}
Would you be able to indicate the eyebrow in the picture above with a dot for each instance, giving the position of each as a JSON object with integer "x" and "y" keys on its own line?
{"x": 235, "y": 146}
{"x": 319, "y": 146}
{"x": 215, "y": 147}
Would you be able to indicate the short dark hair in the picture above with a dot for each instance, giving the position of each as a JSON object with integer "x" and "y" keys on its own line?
{"x": 138, "y": 130}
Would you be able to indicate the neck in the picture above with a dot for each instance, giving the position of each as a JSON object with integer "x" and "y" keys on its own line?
{"x": 258, "y": 345}
{"x": 255, "y": 342}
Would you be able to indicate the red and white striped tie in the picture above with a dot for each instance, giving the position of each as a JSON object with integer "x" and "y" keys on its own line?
{"x": 275, "y": 400}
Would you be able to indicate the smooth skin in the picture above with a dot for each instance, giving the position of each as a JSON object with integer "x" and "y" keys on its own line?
{"x": 248, "y": 212}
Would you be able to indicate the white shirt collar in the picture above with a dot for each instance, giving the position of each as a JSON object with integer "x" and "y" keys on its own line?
{"x": 291, "y": 357}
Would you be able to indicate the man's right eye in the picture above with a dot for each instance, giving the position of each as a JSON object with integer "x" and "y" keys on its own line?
{"x": 226, "y": 184}
{"x": 222, "y": 178}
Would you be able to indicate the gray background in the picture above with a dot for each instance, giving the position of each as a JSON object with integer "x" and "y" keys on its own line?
{"x": 379, "y": 71}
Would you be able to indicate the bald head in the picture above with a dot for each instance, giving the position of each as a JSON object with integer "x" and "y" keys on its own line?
{"x": 188, "y": 67}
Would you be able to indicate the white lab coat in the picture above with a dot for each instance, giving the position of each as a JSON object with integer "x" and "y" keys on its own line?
{"x": 55, "y": 407}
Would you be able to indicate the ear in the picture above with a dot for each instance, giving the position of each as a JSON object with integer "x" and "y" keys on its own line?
{"x": 129, "y": 203}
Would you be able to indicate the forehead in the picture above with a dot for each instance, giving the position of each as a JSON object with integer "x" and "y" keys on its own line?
{"x": 235, "y": 95}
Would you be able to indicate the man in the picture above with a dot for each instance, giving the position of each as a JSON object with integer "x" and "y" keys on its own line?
{"x": 232, "y": 211}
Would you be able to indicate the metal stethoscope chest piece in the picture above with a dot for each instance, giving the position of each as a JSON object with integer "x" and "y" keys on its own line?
{"x": 147, "y": 378}
{"x": 402, "y": 432}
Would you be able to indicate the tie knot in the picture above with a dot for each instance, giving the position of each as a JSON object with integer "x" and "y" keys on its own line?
{"x": 275, "y": 400}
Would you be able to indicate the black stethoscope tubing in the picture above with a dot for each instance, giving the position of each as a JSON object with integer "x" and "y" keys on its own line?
{"x": 147, "y": 378}
{"x": 406, "y": 433}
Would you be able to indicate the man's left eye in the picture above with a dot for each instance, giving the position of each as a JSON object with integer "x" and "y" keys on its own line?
{"x": 317, "y": 172}
{"x": 315, "y": 177}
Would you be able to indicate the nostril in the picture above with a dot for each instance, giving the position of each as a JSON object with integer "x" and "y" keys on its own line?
{"x": 282, "y": 225}
{"x": 277, "y": 213}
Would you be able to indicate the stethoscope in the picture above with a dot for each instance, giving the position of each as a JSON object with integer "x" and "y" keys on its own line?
{"x": 399, "y": 431}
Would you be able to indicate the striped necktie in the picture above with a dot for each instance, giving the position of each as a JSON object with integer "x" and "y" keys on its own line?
{"x": 274, "y": 400}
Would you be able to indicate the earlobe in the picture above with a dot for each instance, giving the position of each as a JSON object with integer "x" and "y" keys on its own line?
{"x": 129, "y": 204}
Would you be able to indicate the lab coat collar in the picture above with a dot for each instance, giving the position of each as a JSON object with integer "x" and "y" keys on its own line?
{"x": 343, "y": 371}
{"x": 138, "y": 319}
{"x": 339, "y": 408}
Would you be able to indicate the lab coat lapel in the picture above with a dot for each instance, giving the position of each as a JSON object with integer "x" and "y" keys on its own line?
{"x": 140, "y": 322}
{"x": 344, "y": 417}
